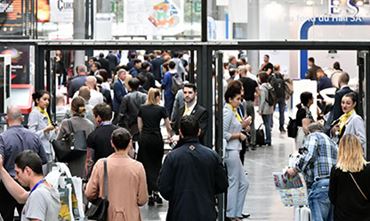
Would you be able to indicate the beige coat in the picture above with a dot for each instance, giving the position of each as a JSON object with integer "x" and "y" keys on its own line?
{"x": 127, "y": 188}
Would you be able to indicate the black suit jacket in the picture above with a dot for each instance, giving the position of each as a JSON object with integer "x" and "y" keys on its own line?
{"x": 199, "y": 113}
{"x": 156, "y": 68}
{"x": 337, "y": 108}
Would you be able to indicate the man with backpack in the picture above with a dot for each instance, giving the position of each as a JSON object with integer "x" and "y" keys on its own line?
{"x": 171, "y": 83}
{"x": 266, "y": 104}
{"x": 278, "y": 83}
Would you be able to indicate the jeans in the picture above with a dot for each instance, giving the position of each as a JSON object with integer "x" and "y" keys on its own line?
{"x": 267, "y": 122}
{"x": 281, "y": 103}
{"x": 318, "y": 201}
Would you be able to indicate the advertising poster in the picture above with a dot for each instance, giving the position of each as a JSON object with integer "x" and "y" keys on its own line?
{"x": 20, "y": 63}
{"x": 154, "y": 17}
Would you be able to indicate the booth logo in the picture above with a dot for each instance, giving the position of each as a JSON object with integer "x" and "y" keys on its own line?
{"x": 344, "y": 8}
{"x": 164, "y": 15}
{"x": 63, "y": 4}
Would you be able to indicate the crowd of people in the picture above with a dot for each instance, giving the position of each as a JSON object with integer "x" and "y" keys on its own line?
{"x": 332, "y": 148}
{"x": 118, "y": 110}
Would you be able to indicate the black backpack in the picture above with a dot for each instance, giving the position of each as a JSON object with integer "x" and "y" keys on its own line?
{"x": 279, "y": 86}
{"x": 271, "y": 96}
{"x": 292, "y": 128}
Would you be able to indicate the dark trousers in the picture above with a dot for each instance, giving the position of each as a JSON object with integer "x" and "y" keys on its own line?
{"x": 8, "y": 204}
{"x": 281, "y": 104}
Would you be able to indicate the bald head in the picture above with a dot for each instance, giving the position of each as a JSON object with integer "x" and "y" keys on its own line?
{"x": 14, "y": 115}
{"x": 276, "y": 68}
{"x": 84, "y": 92}
{"x": 91, "y": 82}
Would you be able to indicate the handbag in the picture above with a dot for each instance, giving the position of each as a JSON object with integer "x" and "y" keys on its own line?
{"x": 292, "y": 128}
{"x": 260, "y": 136}
{"x": 98, "y": 209}
{"x": 358, "y": 187}
{"x": 70, "y": 146}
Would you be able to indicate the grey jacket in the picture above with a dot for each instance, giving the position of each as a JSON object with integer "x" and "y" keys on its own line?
{"x": 130, "y": 106}
{"x": 231, "y": 125}
{"x": 264, "y": 107}
{"x": 356, "y": 125}
{"x": 36, "y": 123}
{"x": 78, "y": 123}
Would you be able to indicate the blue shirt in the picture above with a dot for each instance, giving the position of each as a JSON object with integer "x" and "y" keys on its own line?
{"x": 320, "y": 157}
{"x": 167, "y": 83}
{"x": 134, "y": 72}
{"x": 16, "y": 139}
{"x": 324, "y": 83}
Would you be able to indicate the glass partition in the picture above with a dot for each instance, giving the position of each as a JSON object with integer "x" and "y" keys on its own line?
{"x": 288, "y": 19}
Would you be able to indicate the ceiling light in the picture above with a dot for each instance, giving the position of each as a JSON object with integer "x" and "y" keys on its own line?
{"x": 360, "y": 3}
{"x": 310, "y": 2}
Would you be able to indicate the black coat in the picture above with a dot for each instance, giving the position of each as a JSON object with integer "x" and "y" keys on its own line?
{"x": 190, "y": 178}
{"x": 199, "y": 113}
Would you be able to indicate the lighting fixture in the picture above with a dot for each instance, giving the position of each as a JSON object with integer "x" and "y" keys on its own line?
{"x": 310, "y": 2}
{"x": 360, "y": 3}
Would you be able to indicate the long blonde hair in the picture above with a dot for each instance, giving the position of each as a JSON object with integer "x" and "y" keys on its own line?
{"x": 152, "y": 94}
{"x": 350, "y": 154}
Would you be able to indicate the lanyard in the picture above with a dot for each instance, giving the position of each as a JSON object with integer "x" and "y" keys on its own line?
{"x": 37, "y": 184}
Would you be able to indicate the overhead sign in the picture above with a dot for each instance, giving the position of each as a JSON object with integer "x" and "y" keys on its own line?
{"x": 61, "y": 11}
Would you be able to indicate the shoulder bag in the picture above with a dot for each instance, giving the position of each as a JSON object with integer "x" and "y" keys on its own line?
{"x": 358, "y": 187}
{"x": 98, "y": 209}
{"x": 70, "y": 146}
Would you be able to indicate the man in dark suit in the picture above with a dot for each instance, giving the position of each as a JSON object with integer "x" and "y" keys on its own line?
{"x": 344, "y": 89}
{"x": 119, "y": 90}
{"x": 156, "y": 64}
{"x": 78, "y": 81}
{"x": 191, "y": 107}
{"x": 129, "y": 108}
{"x": 191, "y": 176}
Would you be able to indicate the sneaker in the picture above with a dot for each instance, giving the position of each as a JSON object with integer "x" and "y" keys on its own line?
{"x": 151, "y": 201}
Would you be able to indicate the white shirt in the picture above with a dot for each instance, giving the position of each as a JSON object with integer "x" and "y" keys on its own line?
{"x": 190, "y": 109}
{"x": 95, "y": 97}
{"x": 251, "y": 76}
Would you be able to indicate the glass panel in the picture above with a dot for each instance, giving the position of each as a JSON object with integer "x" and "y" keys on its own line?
{"x": 123, "y": 19}
{"x": 288, "y": 19}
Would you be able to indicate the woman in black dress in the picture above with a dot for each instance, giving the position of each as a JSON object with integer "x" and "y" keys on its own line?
{"x": 151, "y": 141}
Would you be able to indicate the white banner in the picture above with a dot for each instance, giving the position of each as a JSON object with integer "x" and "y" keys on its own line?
{"x": 61, "y": 11}
{"x": 154, "y": 17}
{"x": 238, "y": 11}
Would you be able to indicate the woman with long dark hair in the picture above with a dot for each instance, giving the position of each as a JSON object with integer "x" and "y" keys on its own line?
{"x": 350, "y": 122}
{"x": 233, "y": 125}
{"x": 40, "y": 122}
